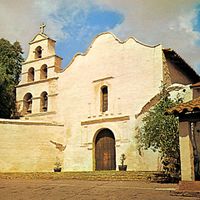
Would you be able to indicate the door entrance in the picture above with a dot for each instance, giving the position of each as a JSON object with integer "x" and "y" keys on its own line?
{"x": 105, "y": 150}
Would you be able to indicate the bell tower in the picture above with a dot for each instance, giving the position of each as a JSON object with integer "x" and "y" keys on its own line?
{"x": 37, "y": 91}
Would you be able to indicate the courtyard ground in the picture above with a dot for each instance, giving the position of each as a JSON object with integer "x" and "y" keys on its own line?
{"x": 50, "y": 187}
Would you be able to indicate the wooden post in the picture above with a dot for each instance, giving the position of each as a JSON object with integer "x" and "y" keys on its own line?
{"x": 186, "y": 151}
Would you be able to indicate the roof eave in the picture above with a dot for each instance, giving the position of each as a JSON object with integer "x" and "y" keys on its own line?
{"x": 169, "y": 53}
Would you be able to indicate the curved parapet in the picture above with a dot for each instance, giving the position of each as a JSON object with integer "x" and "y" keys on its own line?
{"x": 115, "y": 38}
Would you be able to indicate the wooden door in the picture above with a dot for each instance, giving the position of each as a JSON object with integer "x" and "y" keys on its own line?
{"x": 105, "y": 150}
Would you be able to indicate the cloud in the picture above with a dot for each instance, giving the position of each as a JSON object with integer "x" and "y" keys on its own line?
{"x": 20, "y": 19}
{"x": 170, "y": 23}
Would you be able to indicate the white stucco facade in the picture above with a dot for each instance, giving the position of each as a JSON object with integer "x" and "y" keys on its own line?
{"x": 132, "y": 73}
{"x": 121, "y": 68}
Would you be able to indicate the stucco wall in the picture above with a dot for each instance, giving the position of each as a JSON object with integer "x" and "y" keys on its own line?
{"x": 132, "y": 72}
{"x": 177, "y": 75}
{"x": 39, "y": 84}
{"x": 36, "y": 89}
{"x": 25, "y": 145}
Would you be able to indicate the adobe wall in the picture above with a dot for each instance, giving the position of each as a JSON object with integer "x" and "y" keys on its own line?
{"x": 26, "y": 146}
{"x": 177, "y": 75}
{"x": 36, "y": 88}
{"x": 132, "y": 72}
{"x": 38, "y": 84}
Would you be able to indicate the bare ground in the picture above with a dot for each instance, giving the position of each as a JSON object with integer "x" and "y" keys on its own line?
{"x": 90, "y": 186}
{"x": 17, "y": 189}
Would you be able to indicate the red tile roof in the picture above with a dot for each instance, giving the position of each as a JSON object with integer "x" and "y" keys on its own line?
{"x": 195, "y": 85}
{"x": 190, "y": 106}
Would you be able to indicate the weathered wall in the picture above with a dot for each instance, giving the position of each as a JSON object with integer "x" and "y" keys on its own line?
{"x": 36, "y": 89}
{"x": 25, "y": 145}
{"x": 40, "y": 83}
{"x": 147, "y": 158}
{"x": 177, "y": 75}
{"x": 187, "y": 161}
{"x": 133, "y": 74}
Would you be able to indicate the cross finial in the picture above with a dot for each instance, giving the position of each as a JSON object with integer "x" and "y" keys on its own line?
{"x": 42, "y": 26}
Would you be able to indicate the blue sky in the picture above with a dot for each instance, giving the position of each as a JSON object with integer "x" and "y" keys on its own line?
{"x": 196, "y": 27}
{"x": 95, "y": 22}
{"x": 75, "y": 23}
{"x": 197, "y": 19}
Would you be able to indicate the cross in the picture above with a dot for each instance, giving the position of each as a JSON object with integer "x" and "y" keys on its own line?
{"x": 42, "y": 26}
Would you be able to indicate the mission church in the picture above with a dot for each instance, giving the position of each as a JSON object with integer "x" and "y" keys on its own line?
{"x": 89, "y": 113}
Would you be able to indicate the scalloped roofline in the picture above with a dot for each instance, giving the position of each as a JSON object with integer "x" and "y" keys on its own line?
{"x": 115, "y": 37}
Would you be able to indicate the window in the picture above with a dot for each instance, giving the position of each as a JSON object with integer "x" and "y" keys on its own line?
{"x": 31, "y": 74}
{"x": 38, "y": 52}
{"x": 104, "y": 98}
{"x": 43, "y": 102}
{"x": 28, "y": 103}
{"x": 43, "y": 72}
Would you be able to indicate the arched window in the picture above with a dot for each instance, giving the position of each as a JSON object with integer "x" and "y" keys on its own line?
{"x": 43, "y": 102}
{"x": 28, "y": 103}
{"x": 38, "y": 52}
{"x": 43, "y": 72}
{"x": 104, "y": 98}
{"x": 31, "y": 74}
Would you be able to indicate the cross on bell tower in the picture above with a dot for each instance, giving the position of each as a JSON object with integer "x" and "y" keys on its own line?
{"x": 42, "y": 26}
{"x": 41, "y": 67}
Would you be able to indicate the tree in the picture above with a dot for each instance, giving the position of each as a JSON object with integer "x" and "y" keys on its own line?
{"x": 10, "y": 69}
{"x": 159, "y": 132}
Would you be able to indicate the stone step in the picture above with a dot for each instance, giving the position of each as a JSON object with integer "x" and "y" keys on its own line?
{"x": 96, "y": 175}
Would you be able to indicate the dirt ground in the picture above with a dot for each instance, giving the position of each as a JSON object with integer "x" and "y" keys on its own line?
{"x": 20, "y": 189}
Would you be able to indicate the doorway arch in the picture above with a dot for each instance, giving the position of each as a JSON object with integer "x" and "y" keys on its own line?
{"x": 105, "y": 153}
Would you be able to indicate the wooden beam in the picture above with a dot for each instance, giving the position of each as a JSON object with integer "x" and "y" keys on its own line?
{"x": 190, "y": 117}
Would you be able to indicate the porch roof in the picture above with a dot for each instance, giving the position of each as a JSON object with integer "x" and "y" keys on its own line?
{"x": 195, "y": 85}
{"x": 190, "y": 106}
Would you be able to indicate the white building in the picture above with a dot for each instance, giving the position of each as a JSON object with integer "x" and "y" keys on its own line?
{"x": 87, "y": 114}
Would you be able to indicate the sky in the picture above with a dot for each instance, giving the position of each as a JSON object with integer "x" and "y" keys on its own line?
{"x": 75, "y": 23}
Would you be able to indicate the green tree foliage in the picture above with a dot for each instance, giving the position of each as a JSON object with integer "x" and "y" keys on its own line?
{"x": 10, "y": 69}
{"x": 159, "y": 131}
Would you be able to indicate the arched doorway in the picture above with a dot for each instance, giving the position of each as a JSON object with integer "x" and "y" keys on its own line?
{"x": 105, "y": 150}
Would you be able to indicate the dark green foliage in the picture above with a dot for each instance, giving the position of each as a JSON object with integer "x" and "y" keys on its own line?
{"x": 122, "y": 159}
{"x": 10, "y": 69}
{"x": 159, "y": 132}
